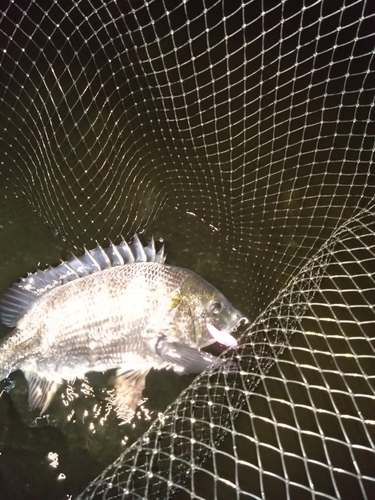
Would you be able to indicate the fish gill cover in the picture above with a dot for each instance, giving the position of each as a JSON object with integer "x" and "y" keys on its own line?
{"x": 242, "y": 133}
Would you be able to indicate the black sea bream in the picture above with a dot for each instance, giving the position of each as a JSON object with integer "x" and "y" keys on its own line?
{"x": 115, "y": 308}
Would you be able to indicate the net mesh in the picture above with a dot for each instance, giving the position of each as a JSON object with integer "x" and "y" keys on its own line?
{"x": 243, "y": 134}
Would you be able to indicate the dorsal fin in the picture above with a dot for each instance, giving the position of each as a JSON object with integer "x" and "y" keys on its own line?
{"x": 21, "y": 295}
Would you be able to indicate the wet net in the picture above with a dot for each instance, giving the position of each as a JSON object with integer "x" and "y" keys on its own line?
{"x": 242, "y": 133}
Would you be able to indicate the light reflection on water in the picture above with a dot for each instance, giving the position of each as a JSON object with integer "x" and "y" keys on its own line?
{"x": 78, "y": 436}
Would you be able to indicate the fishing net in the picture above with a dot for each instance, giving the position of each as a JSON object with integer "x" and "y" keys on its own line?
{"x": 242, "y": 133}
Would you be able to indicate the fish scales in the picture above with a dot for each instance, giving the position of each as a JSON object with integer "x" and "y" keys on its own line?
{"x": 112, "y": 314}
{"x": 101, "y": 315}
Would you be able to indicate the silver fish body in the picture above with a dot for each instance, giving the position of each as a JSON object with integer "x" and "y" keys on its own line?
{"x": 126, "y": 316}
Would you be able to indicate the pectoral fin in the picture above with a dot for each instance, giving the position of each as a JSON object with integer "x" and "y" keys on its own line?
{"x": 185, "y": 359}
{"x": 41, "y": 390}
{"x": 128, "y": 393}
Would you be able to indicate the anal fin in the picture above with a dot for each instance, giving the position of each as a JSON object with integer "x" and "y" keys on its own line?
{"x": 41, "y": 390}
{"x": 128, "y": 392}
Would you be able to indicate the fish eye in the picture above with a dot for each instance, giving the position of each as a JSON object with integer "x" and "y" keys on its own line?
{"x": 216, "y": 307}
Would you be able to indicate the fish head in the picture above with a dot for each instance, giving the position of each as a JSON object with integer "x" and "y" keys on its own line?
{"x": 213, "y": 317}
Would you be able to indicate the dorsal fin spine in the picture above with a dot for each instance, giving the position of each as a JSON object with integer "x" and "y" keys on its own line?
{"x": 127, "y": 253}
{"x": 21, "y": 295}
{"x": 93, "y": 259}
{"x": 116, "y": 252}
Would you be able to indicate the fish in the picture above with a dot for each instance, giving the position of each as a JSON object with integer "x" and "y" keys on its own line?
{"x": 120, "y": 307}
